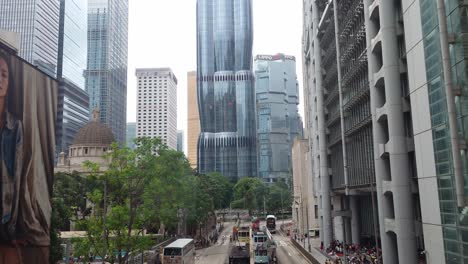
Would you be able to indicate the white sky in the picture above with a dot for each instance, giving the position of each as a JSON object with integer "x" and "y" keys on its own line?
{"x": 162, "y": 33}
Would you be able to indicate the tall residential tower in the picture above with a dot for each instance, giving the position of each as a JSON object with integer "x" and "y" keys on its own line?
{"x": 106, "y": 74}
{"x": 227, "y": 142}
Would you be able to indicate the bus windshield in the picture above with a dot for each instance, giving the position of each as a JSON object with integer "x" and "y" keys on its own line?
{"x": 172, "y": 252}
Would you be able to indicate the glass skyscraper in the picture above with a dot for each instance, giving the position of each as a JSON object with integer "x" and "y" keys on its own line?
{"x": 37, "y": 23}
{"x": 278, "y": 121}
{"x": 227, "y": 142}
{"x": 73, "y": 41}
{"x": 106, "y": 74}
{"x": 131, "y": 134}
{"x": 73, "y": 100}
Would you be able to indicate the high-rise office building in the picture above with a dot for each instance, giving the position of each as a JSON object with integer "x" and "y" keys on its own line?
{"x": 193, "y": 119}
{"x": 385, "y": 86}
{"x": 72, "y": 114}
{"x": 350, "y": 160}
{"x": 278, "y": 121}
{"x": 180, "y": 140}
{"x": 157, "y": 105}
{"x": 106, "y": 74}
{"x": 37, "y": 23}
{"x": 73, "y": 100}
{"x": 130, "y": 134}
{"x": 227, "y": 143}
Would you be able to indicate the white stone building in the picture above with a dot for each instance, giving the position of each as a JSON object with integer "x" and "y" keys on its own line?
{"x": 91, "y": 143}
{"x": 157, "y": 105}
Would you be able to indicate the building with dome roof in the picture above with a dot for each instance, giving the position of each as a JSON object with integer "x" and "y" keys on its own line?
{"x": 91, "y": 143}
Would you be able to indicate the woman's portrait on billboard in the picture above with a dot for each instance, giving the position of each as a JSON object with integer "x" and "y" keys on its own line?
{"x": 11, "y": 138}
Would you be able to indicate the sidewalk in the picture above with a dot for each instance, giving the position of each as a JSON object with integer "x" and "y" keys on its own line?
{"x": 314, "y": 248}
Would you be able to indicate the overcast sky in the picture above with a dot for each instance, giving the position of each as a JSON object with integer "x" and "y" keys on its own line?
{"x": 162, "y": 33}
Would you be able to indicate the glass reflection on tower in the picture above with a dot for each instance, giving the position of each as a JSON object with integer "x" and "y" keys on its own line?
{"x": 225, "y": 88}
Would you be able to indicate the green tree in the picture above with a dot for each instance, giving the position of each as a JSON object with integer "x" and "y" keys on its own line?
{"x": 167, "y": 188}
{"x": 71, "y": 188}
{"x": 145, "y": 189}
{"x": 218, "y": 188}
{"x": 116, "y": 225}
{"x": 279, "y": 197}
{"x": 60, "y": 215}
{"x": 246, "y": 191}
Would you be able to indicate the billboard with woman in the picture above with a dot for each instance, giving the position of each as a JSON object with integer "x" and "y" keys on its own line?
{"x": 28, "y": 107}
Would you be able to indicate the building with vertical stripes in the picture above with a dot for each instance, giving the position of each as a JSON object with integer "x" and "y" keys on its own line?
{"x": 193, "y": 119}
{"x": 73, "y": 100}
{"x": 37, "y": 23}
{"x": 385, "y": 97}
{"x": 157, "y": 105}
{"x": 225, "y": 84}
{"x": 106, "y": 73}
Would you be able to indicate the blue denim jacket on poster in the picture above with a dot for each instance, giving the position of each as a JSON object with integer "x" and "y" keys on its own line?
{"x": 11, "y": 151}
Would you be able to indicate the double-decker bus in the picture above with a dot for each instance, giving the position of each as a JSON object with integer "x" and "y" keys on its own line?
{"x": 271, "y": 223}
{"x": 181, "y": 251}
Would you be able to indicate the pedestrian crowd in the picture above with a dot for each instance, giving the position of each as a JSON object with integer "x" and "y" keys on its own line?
{"x": 354, "y": 253}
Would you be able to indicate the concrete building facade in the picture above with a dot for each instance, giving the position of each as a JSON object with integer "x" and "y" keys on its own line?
{"x": 278, "y": 121}
{"x": 305, "y": 207}
{"x": 338, "y": 121}
{"x": 193, "y": 119}
{"x": 400, "y": 76}
{"x": 157, "y": 105}
{"x": 106, "y": 73}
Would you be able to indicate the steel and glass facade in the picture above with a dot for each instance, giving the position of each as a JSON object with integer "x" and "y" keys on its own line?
{"x": 399, "y": 85}
{"x": 131, "y": 134}
{"x": 180, "y": 140}
{"x": 37, "y": 23}
{"x": 73, "y": 32}
{"x": 72, "y": 114}
{"x": 73, "y": 100}
{"x": 450, "y": 230}
{"x": 227, "y": 142}
{"x": 106, "y": 74}
{"x": 278, "y": 121}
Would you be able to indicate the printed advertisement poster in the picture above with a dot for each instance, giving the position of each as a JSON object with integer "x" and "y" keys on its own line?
{"x": 28, "y": 107}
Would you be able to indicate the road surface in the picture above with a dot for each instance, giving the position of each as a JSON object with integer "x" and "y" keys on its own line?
{"x": 219, "y": 252}
{"x": 286, "y": 252}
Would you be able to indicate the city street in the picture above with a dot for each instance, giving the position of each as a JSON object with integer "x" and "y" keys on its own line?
{"x": 286, "y": 252}
{"x": 219, "y": 252}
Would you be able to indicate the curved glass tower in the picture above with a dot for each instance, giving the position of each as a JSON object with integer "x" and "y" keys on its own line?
{"x": 226, "y": 98}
